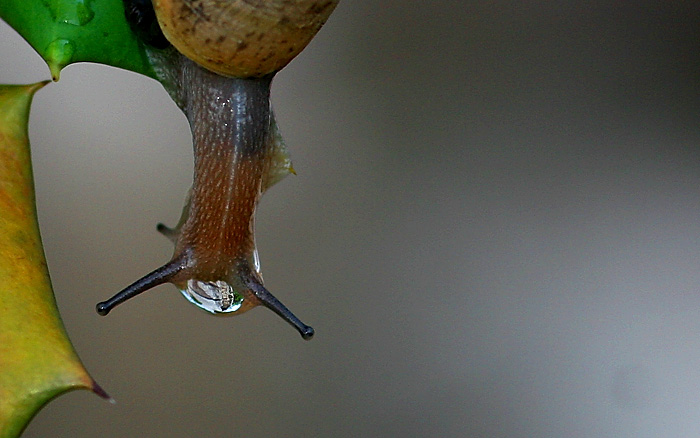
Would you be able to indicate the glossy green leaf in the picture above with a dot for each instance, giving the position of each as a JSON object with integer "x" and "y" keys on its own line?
{"x": 37, "y": 360}
{"x": 68, "y": 31}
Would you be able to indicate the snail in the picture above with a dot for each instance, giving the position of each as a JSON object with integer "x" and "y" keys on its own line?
{"x": 230, "y": 52}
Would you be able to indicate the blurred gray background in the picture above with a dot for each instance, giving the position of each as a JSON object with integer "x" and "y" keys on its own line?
{"x": 495, "y": 231}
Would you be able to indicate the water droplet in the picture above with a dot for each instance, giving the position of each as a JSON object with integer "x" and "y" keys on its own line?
{"x": 74, "y": 12}
{"x": 213, "y": 296}
{"x": 58, "y": 55}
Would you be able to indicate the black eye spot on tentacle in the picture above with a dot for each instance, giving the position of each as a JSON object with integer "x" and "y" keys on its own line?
{"x": 142, "y": 20}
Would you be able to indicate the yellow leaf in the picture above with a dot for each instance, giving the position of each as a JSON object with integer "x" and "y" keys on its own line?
{"x": 37, "y": 360}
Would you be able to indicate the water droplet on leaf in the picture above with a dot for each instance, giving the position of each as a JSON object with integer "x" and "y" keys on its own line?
{"x": 58, "y": 55}
{"x": 73, "y": 12}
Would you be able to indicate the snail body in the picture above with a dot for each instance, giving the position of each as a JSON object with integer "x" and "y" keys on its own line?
{"x": 238, "y": 155}
{"x": 238, "y": 150}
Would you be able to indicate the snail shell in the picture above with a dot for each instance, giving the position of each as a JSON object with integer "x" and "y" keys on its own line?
{"x": 242, "y": 38}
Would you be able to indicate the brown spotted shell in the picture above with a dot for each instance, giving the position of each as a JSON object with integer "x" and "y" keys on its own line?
{"x": 242, "y": 38}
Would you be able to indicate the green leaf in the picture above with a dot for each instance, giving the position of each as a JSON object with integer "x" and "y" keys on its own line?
{"x": 37, "y": 360}
{"x": 68, "y": 31}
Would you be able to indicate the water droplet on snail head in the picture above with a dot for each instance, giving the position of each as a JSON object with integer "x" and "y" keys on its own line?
{"x": 213, "y": 296}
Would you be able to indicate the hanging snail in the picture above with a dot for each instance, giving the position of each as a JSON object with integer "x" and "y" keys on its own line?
{"x": 229, "y": 52}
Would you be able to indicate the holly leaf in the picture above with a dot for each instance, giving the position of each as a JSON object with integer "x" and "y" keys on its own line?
{"x": 68, "y": 31}
{"x": 37, "y": 360}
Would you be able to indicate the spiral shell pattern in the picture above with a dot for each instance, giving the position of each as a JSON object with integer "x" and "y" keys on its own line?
{"x": 242, "y": 38}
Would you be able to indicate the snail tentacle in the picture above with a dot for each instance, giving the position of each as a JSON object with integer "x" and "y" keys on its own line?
{"x": 170, "y": 233}
{"x": 268, "y": 300}
{"x": 164, "y": 274}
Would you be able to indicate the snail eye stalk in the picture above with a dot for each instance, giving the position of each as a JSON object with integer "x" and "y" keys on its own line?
{"x": 268, "y": 300}
{"x": 161, "y": 275}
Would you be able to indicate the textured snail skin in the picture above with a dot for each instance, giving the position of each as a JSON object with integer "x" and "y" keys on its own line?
{"x": 242, "y": 38}
{"x": 238, "y": 155}
{"x": 231, "y": 129}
